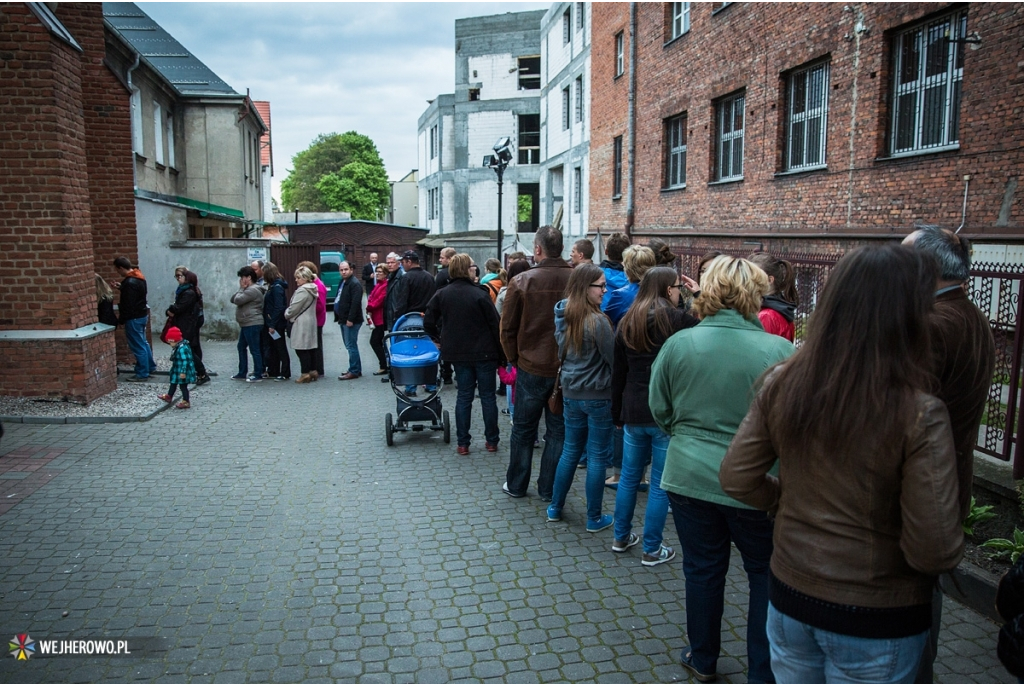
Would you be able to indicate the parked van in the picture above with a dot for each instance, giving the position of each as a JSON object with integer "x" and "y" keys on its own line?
{"x": 329, "y": 272}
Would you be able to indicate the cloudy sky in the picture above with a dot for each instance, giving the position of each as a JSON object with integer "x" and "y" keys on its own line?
{"x": 331, "y": 67}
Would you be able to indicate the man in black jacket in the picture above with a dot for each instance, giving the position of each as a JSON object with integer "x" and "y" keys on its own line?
{"x": 348, "y": 313}
{"x": 133, "y": 313}
{"x": 370, "y": 272}
{"x": 412, "y": 293}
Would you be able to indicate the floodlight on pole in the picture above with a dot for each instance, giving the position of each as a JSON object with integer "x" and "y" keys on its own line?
{"x": 499, "y": 162}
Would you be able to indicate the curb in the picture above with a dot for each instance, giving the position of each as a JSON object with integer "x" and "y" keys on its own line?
{"x": 83, "y": 419}
{"x": 973, "y": 587}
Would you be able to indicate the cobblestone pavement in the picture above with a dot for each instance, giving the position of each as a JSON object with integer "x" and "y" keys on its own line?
{"x": 268, "y": 534}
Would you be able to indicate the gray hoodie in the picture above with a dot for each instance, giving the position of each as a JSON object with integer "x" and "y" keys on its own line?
{"x": 588, "y": 375}
{"x": 249, "y": 303}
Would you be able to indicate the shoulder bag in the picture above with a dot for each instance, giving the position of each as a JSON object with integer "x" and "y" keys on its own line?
{"x": 555, "y": 403}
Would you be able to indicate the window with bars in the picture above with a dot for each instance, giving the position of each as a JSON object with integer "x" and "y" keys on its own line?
{"x": 580, "y": 8}
{"x": 565, "y": 108}
{"x": 680, "y": 18}
{"x": 577, "y": 190}
{"x": 620, "y": 53}
{"x": 928, "y": 72}
{"x": 579, "y": 99}
{"x": 729, "y": 138}
{"x": 617, "y": 166}
{"x": 806, "y": 114}
{"x": 432, "y": 203}
{"x": 529, "y": 139}
{"x": 567, "y": 25}
{"x": 675, "y": 152}
{"x": 433, "y": 142}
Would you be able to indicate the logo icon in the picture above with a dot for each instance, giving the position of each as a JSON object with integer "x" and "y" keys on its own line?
{"x": 23, "y": 647}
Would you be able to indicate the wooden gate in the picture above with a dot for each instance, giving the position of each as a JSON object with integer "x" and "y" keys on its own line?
{"x": 287, "y": 257}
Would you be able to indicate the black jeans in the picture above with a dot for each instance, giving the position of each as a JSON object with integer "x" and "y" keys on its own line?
{"x": 531, "y": 405}
{"x": 307, "y": 360}
{"x": 318, "y": 353}
{"x": 278, "y": 361}
{"x": 377, "y": 345}
{"x": 197, "y": 356}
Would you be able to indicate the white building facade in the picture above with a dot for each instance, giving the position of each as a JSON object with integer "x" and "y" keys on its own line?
{"x": 565, "y": 118}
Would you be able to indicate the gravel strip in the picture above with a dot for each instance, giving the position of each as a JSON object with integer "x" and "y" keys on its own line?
{"x": 129, "y": 399}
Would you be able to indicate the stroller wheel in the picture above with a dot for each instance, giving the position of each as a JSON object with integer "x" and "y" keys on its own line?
{"x": 447, "y": 426}
{"x": 389, "y": 430}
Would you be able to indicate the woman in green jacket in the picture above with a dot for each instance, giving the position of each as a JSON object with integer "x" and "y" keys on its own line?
{"x": 701, "y": 387}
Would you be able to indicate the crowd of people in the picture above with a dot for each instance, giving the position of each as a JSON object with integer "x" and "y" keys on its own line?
{"x": 841, "y": 470}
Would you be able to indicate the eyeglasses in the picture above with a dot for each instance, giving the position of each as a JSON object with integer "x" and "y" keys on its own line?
{"x": 602, "y": 286}
{"x": 677, "y": 286}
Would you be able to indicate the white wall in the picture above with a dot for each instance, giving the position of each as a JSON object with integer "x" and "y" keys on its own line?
{"x": 498, "y": 76}
{"x": 484, "y": 129}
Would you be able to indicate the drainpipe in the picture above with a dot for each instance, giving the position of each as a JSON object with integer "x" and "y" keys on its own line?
{"x": 859, "y": 29}
{"x": 131, "y": 91}
{"x": 963, "y": 214}
{"x": 631, "y": 123}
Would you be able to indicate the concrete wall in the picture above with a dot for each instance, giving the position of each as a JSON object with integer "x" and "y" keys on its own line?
{"x": 406, "y": 203}
{"x": 216, "y": 147}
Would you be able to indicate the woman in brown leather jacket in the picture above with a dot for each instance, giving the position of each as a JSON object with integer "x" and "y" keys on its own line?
{"x": 866, "y": 498}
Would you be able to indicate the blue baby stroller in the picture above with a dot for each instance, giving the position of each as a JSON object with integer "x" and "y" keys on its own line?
{"x": 414, "y": 358}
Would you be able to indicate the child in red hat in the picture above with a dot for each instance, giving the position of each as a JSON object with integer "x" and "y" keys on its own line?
{"x": 183, "y": 368}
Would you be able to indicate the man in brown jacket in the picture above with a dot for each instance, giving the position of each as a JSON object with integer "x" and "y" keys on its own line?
{"x": 528, "y": 338}
{"x": 963, "y": 353}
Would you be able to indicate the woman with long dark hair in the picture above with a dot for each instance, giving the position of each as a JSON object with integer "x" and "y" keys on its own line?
{"x": 866, "y": 497}
{"x": 701, "y": 387}
{"x": 187, "y": 311}
{"x": 275, "y": 302}
{"x": 653, "y": 317}
{"x": 778, "y": 308}
{"x": 586, "y": 346}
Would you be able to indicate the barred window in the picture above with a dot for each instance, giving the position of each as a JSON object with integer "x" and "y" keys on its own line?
{"x": 928, "y": 72}
{"x": 675, "y": 152}
{"x": 617, "y": 166}
{"x": 567, "y": 25}
{"x": 806, "y": 113}
{"x": 579, "y": 99}
{"x": 577, "y": 190}
{"x": 729, "y": 139}
{"x": 565, "y": 108}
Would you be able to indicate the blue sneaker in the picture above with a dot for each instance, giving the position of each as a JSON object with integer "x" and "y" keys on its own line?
{"x": 600, "y": 524}
{"x": 554, "y": 514}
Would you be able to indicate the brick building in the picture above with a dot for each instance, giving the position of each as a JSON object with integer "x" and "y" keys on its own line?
{"x": 807, "y": 128}
{"x": 65, "y": 168}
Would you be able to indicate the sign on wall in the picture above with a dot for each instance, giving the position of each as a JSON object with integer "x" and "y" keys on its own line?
{"x": 260, "y": 253}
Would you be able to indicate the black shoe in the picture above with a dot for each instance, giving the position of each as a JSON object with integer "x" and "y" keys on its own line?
{"x": 202, "y": 380}
{"x": 381, "y": 372}
{"x": 687, "y": 663}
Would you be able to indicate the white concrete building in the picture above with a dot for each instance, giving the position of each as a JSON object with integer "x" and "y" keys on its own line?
{"x": 565, "y": 118}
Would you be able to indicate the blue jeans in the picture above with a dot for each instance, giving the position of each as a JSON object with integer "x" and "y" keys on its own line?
{"x": 350, "y": 336}
{"x": 588, "y": 424}
{"x": 639, "y": 443}
{"x": 531, "y": 404}
{"x": 249, "y": 337}
{"x": 705, "y": 530}
{"x": 470, "y": 376}
{"x": 804, "y": 654}
{"x": 135, "y": 333}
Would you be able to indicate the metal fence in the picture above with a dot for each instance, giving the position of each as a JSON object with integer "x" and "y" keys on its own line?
{"x": 994, "y": 288}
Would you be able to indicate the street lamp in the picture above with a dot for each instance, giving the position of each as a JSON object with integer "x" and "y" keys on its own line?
{"x": 499, "y": 162}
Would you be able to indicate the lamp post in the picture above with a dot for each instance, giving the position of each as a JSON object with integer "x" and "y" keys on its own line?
{"x": 499, "y": 162}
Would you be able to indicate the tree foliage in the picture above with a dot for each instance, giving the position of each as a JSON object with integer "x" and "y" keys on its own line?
{"x": 329, "y": 155}
{"x": 358, "y": 188}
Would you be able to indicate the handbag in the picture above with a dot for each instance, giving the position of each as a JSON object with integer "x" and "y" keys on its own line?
{"x": 555, "y": 403}
{"x": 168, "y": 325}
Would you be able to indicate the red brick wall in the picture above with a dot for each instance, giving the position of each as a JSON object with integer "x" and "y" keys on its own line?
{"x": 45, "y": 232}
{"x": 108, "y": 142}
{"x": 75, "y": 370}
{"x": 751, "y": 46}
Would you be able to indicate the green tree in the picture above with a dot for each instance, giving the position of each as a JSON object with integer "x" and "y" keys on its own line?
{"x": 328, "y": 154}
{"x": 359, "y": 188}
{"x": 525, "y": 208}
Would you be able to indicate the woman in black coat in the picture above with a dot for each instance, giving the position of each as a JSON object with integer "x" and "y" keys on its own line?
{"x": 462, "y": 315}
{"x": 187, "y": 311}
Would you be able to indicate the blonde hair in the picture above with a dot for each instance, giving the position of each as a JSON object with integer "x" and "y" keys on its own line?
{"x": 458, "y": 265}
{"x": 731, "y": 283}
{"x": 103, "y": 290}
{"x": 304, "y": 273}
{"x": 312, "y": 268}
{"x": 180, "y": 269}
{"x": 636, "y": 260}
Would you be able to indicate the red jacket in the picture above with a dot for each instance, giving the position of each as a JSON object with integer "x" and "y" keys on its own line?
{"x": 776, "y": 324}
{"x": 375, "y": 303}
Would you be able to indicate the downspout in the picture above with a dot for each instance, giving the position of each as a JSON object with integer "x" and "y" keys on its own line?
{"x": 131, "y": 94}
{"x": 631, "y": 123}
{"x": 859, "y": 29}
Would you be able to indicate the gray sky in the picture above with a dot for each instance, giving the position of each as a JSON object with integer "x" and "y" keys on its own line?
{"x": 331, "y": 67}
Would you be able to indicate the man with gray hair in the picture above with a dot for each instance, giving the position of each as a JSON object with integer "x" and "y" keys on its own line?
{"x": 528, "y": 338}
{"x": 963, "y": 359}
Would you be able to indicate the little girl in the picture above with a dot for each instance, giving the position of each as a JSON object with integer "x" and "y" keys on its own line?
{"x": 183, "y": 369}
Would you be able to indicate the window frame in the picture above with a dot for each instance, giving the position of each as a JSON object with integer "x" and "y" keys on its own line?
{"x": 809, "y": 114}
{"x": 434, "y": 147}
{"x": 616, "y": 167}
{"x": 726, "y": 140}
{"x": 620, "y": 53}
{"x": 951, "y": 27}
{"x": 158, "y": 133}
{"x": 567, "y": 25}
{"x": 169, "y": 132}
{"x": 580, "y": 10}
{"x": 566, "y": 104}
{"x": 578, "y": 107}
{"x": 680, "y": 15}
{"x": 675, "y": 151}
{"x": 577, "y": 190}
{"x": 528, "y": 154}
